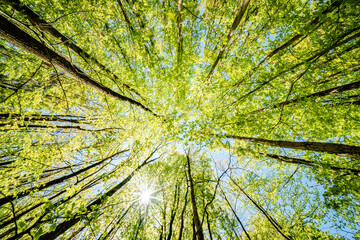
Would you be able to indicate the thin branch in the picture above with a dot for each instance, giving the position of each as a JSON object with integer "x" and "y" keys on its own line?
{"x": 13, "y": 212}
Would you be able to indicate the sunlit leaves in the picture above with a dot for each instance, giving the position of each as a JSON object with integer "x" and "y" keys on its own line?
{"x": 52, "y": 126}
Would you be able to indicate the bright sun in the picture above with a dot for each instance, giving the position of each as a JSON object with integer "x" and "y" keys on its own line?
{"x": 145, "y": 196}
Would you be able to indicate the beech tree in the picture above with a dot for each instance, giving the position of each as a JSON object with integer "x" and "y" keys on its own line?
{"x": 179, "y": 119}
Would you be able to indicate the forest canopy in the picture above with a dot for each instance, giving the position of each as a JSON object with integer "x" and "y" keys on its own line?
{"x": 179, "y": 119}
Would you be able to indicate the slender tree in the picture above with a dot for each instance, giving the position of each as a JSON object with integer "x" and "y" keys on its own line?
{"x": 332, "y": 148}
{"x": 23, "y": 40}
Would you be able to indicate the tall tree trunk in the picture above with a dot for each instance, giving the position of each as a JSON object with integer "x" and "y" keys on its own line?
{"x": 234, "y": 26}
{"x": 18, "y": 216}
{"x": 311, "y": 163}
{"x": 313, "y": 23}
{"x": 2, "y": 164}
{"x": 128, "y": 22}
{"x": 21, "y": 39}
{"x": 236, "y": 216}
{"x": 42, "y": 117}
{"x": 64, "y": 226}
{"x": 55, "y": 205}
{"x": 76, "y": 232}
{"x": 174, "y": 209}
{"x": 53, "y": 126}
{"x": 208, "y": 224}
{"x": 126, "y": 17}
{"x": 341, "y": 41}
{"x": 327, "y": 92}
{"x": 182, "y": 215}
{"x": 199, "y": 232}
{"x": 342, "y": 150}
{"x": 266, "y": 214}
{"x": 179, "y": 34}
{"x": 49, "y": 29}
{"x": 55, "y": 181}
{"x": 117, "y": 223}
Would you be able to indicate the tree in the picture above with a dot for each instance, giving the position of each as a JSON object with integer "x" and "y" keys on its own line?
{"x": 179, "y": 119}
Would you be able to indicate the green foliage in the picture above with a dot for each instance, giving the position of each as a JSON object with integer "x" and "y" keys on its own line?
{"x": 65, "y": 146}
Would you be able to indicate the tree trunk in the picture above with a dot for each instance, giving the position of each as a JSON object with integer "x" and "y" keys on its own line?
{"x": 261, "y": 209}
{"x": 311, "y": 163}
{"x": 314, "y": 22}
{"x": 312, "y": 59}
{"x": 327, "y": 92}
{"x": 53, "y": 126}
{"x": 117, "y": 223}
{"x": 199, "y": 232}
{"x": 42, "y": 117}
{"x": 64, "y": 226}
{"x": 236, "y": 216}
{"x": 182, "y": 215}
{"x": 126, "y": 17}
{"x": 174, "y": 209}
{"x": 342, "y": 150}
{"x": 46, "y": 210}
{"x": 179, "y": 34}
{"x": 48, "y": 28}
{"x": 21, "y": 39}
{"x": 234, "y": 26}
{"x": 55, "y": 181}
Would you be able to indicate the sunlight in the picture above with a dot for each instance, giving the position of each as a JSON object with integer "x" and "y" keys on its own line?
{"x": 145, "y": 196}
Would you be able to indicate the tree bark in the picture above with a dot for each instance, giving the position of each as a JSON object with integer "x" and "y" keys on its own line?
{"x": 42, "y": 117}
{"x": 117, "y": 223}
{"x": 21, "y": 39}
{"x": 311, "y": 163}
{"x": 310, "y": 60}
{"x": 314, "y": 22}
{"x": 174, "y": 210}
{"x": 126, "y": 17}
{"x": 236, "y": 216}
{"x": 48, "y": 28}
{"x": 199, "y": 232}
{"x": 56, "y": 204}
{"x": 64, "y": 226}
{"x": 179, "y": 34}
{"x": 55, "y": 181}
{"x": 234, "y": 26}
{"x": 53, "y": 126}
{"x": 266, "y": 214}
{"x": 342, "y": 150}
{"x": 182, "y": 215}
{"x": 327, "y": 92}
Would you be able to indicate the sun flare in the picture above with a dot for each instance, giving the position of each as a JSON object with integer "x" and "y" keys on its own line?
{"x": 145, "y": 196}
